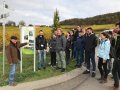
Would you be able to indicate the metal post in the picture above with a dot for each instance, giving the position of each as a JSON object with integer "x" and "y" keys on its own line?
{"x": 21, "y": 50}
{"x": 34, "y": 51}
{"x": 3, "y": 37}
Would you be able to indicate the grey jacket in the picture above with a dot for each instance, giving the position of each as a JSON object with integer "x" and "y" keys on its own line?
{"x": 60, "y": 43}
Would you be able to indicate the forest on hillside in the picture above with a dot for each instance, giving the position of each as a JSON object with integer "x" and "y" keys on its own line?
{"x": 109, "y": 18}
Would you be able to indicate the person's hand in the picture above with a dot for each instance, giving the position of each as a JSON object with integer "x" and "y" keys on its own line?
{"x": 38, "y": 51}
{"x": 104, "y": 61}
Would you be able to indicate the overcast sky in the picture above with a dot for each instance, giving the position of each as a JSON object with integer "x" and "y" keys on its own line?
{"x": 41, "y": 11}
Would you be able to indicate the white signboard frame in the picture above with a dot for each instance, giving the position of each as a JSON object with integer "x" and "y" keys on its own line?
{"x": 27, "y": 34}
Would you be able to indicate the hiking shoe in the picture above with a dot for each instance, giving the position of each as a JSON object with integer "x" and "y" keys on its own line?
{"x": 57, "y": 68}
{"x": 93, "y": 74}
{"x": 62, "y": 70}
{"x": 103, "y": 81}
{"x": 79, "y": 66}
{"x": 12, "y": 84}
{"x": 39, "y": 69}
{"x": 99, "y": 79}
{"x": 86, "y": 72}
{"x": 44, "y": 67}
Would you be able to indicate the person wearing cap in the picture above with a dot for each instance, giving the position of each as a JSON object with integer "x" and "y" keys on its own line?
{"x": 13, "y": 56}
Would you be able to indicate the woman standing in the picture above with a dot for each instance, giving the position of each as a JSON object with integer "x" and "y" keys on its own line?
{"x": 68, "y": 47}
{"x": 103, "y": 54}
{"x": 52, "y": 46}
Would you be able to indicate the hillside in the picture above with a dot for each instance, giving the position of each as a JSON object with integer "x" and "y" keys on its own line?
{"x": 109, "y": 18}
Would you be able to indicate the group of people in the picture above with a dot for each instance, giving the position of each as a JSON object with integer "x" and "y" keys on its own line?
{"x": 78, "y": 44}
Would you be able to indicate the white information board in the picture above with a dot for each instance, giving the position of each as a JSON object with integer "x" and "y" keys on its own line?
{"x": 28, "y": 35}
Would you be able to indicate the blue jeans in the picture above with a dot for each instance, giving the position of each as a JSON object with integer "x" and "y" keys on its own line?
{"x": 42, "y": 56}
{"x": 12, "y": 73}
{"x": 79, "y": 56}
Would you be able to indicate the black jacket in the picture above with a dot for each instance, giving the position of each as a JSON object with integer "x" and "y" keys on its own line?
{"x": 41, "y": 43}
{"x": 118, "y": 47}
{"x": 52, "y": 45}
{"x": 68, "y": 43}
{"x": 90, "y": 42}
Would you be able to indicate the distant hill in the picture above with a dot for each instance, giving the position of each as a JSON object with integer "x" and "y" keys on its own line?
{"x": 109, "y": 18}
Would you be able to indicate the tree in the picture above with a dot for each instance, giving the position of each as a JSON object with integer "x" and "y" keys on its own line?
{"x": 10, "y": 23}
{"x": 22, "y": 23}
{"x": 109, "y": 18}
{"x": 56, "y": 23}
{"x": 30, "y": 25}
{"x": 1, "y": 24}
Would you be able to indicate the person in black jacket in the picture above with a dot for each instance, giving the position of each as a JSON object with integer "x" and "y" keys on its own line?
{"x": 112, "y": 47}
{"x": 90, "y": 45}
{"x": 72, "y": 43}
{"x": 68, "y": 47}
{"x": 41, "y": 46}
{"x": 116, "y": 63}
{"x": 52, "y": 45}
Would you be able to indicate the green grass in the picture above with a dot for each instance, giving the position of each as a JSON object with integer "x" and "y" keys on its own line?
{"x": 28, "y": 74}
{"x": 27, "y": 51}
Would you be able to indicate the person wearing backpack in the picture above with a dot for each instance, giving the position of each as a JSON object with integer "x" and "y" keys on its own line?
{"x": 60, "y": 50}
{"x": 103, "y": 56}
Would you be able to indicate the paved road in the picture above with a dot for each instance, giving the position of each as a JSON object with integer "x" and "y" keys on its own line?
{"x": 93, "y": 84}
{"x": 83, "y": 82}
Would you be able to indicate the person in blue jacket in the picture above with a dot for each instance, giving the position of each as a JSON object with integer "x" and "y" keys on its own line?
{"x": 80, "y": 43}
{"x": 103, "y": 55}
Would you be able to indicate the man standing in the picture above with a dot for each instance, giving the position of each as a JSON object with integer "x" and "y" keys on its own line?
{"x": 13, "y": 56}
{"x": 90, "y": 44}
{"x": 60, "y": 50}
{"x": 41, "y": 46}
{"x": 116, "y": 63}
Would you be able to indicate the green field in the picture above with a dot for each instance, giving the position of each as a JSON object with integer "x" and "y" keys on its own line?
{"x": 28, "y": 74}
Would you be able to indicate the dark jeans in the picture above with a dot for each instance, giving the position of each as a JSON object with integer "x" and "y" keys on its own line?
{"x": 85, "y": 60}
{"x": 53, "y": 58}
{"x": 103, "y": 68}
{"x": 116, "y": 72}
{"x": 79, "y": 56}
{"x": 74, "y": 52}
{"x": 67, "y": 51}
{"x": 90, "y": 58}
{"x": 110, "y": 65}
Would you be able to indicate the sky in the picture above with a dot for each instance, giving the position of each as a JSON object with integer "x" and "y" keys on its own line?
{"x": 41, "y": 12}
